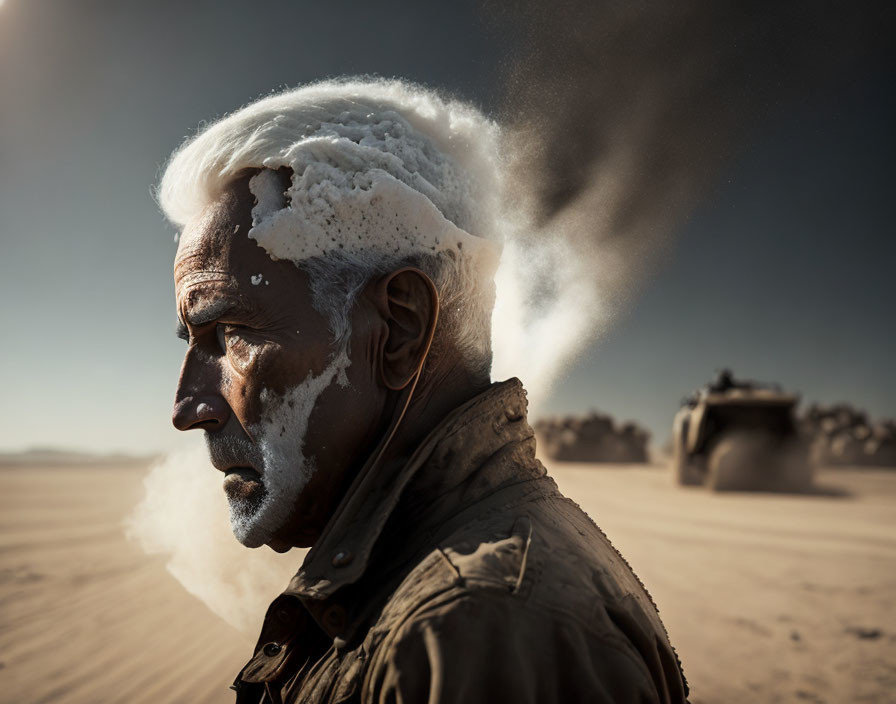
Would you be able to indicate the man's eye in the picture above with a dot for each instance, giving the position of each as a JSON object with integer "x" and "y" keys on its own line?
{"x": 221, "y": 334}
{"x": 234, "y": 344}
{"x": 228, "y": 335}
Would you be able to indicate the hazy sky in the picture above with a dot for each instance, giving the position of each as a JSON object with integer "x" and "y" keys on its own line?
{"x": 785, "y": 272}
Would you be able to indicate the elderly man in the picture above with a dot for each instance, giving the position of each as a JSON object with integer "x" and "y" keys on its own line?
{"x": 334, "y": 281}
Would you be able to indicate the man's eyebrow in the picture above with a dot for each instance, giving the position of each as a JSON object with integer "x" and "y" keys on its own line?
{"x": 202, "y": 315}
{"x": 207, "y": 312}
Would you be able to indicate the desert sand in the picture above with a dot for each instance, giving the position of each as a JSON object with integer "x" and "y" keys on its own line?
{"x": 768, "y": 598}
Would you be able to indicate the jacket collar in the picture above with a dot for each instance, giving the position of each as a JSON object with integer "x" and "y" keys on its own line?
{"x": 456, "y": 449}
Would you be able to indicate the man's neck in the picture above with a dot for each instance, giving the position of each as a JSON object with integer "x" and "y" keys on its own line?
{"x": 439, "y": 392}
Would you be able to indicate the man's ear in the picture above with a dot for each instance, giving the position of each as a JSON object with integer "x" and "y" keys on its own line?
{"x": 409, "y": 305}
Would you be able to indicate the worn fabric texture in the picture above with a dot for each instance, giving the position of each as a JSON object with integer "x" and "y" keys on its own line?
{"x": 461, "y": 576}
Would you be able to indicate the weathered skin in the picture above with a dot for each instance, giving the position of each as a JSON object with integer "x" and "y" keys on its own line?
{"x": 446, "y": 567}
{"x": 215, "y": 263}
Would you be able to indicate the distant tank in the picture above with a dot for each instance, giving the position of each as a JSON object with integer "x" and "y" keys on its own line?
{"x": 593, "y": 438}
{"x": 740, "y": 436}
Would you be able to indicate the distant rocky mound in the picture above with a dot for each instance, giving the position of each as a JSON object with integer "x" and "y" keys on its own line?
{"x": 844, "y": 435}
{"x": 592, "y": 438}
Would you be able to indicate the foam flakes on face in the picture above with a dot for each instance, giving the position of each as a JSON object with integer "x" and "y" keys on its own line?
{"x": 285, "y": 471}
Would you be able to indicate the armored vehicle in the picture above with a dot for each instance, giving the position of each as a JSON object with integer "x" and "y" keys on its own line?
{"x": 740, "y": 436}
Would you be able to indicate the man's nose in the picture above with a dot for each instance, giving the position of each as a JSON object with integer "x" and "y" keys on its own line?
{"x": 197, "y": 403}
{"x": 200, "y": 412}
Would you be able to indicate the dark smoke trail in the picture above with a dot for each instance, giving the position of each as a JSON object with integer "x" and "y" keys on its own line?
{"x": 620, "y": 114}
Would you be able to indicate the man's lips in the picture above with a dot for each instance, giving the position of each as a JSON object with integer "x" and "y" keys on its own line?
{"x": 241, "y": 482}
{"x": 246, "y": 473}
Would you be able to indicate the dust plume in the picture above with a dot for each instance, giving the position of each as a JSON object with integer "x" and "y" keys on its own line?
{"x": 183, "y": 515}
{"x": 618, "y": 117}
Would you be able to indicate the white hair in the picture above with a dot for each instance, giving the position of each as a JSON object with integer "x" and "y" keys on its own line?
{"x": 383, "y": 173}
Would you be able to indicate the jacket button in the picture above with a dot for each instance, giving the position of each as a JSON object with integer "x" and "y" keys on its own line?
{"x": 272, "y": 649}
{"x": 342, "y": 558}
{"x": 334, "y": 617}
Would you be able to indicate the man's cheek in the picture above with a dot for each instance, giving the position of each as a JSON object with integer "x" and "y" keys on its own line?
{"x": 244, "y": 394}
{"x": 243, "y": 355}
{"x": 246, "y": 384}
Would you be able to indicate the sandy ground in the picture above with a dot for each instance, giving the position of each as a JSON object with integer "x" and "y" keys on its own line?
{"x": 767, "y": 598}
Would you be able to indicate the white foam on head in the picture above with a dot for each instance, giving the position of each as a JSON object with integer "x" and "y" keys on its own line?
{"x": 379, "y": 173}
{"x": 355, "y": 147}
{"x": 330, "y": 211}
{"x": 280, "y": 438}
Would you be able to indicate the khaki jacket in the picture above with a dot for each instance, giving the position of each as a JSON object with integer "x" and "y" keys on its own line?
{"x": 463, "y": 576}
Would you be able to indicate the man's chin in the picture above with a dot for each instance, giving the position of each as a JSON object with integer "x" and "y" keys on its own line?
{"x": 249, "y": 536}
{"x": 247, "y": 522}
{"x": 253, "y": 533}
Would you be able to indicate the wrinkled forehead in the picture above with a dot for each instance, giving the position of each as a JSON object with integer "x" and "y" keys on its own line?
{"x": 218, "y": 239}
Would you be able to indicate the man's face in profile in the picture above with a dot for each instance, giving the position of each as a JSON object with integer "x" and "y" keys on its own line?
{"x": 284, "y": 410}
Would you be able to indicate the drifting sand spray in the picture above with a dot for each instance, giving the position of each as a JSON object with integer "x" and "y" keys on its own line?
{"x": 184, "y": 516}
{"x": 619, "y": 115}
